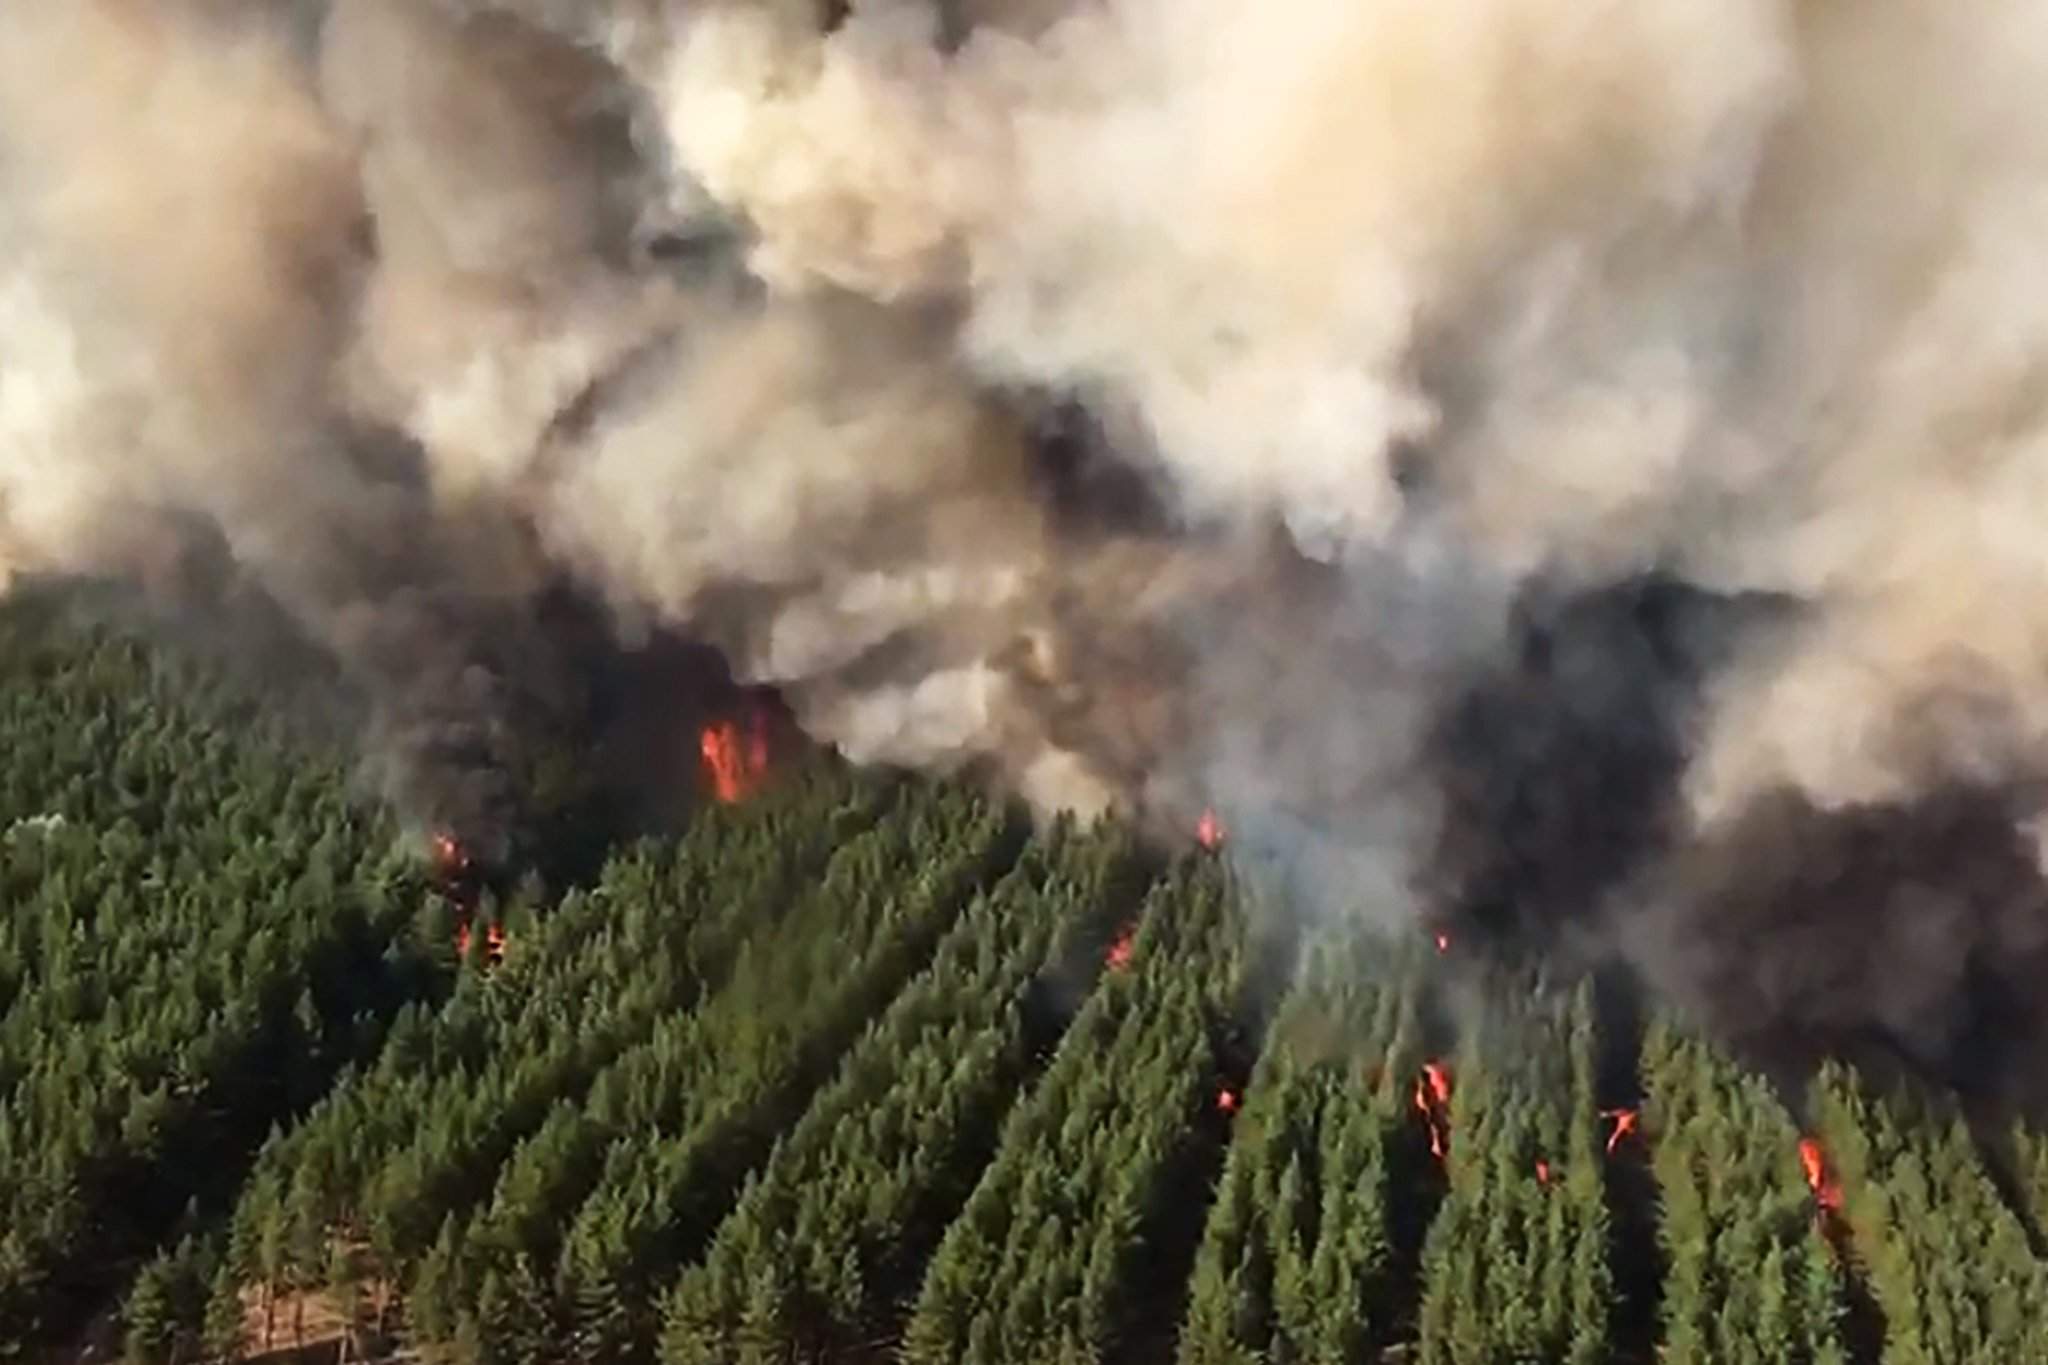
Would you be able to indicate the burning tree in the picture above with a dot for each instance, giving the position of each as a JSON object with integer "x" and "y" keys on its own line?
{"x": 1432, "y": 1099}
{"x": 1813, "y": 1164}
{"x": 737, "y": 752}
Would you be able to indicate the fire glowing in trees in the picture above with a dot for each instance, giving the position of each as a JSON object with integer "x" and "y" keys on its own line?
{"x": 1625, "y": 1122}
{"x": 1433, "y": 1102}
{"x": 735, "y": 756}
{"x": 1542, "y": 1171}
{"x": 450, "y": 858}
{"x": 1443, "y": 941}
{"x": 1227, "y": 1101}
{"x": 1209, "y": 831}
{"x": 1119, "y": 955}
{"x": 1814, "y": 1163}
{"x": 494, "y": 941}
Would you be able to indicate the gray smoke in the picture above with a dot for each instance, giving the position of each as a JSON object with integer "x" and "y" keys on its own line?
{"x": 1278, "y": 406}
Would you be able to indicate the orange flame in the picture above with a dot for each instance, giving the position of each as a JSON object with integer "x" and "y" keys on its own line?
{"x": 1625, "y": 1122}
{"x": 1813, "y": 1161}
{"x": 1227, "y": 1101}
{"x": 1209, "y": 831}
{"x": 1119, "y": 955}
{"x": 1438, "y": 1077}
{"x": 1432, "y": 1101}
{"x": 735, "y": 760}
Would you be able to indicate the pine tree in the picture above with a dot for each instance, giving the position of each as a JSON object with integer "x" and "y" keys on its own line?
{"x": 149, "y": 1315}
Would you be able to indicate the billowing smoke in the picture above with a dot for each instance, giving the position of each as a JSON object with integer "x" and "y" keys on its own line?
{"x": 1513, "y": 457}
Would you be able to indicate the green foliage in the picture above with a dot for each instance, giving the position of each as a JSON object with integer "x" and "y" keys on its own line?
{"x": 1750, "y": 1277}
{"x": 193, "y": 921}
{"x": 1294, "y": 1258}
{"x": 1947, "y": 1261}
{"x": 1033, "y": 1268}
{"x": 837, "y": 1073}
{"x": 859, "y": 1188}
{"x": 1515, "y": 1266}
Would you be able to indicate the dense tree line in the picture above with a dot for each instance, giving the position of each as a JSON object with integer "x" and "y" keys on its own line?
{"x": 1295, "y": 1255}
{"x": 859, "y": 1190}
{"x": 396, "y": 1158}
{"x": 195, "y": 928}
{"x": 1947, "y": 1261}
{"x": 856, "y": 1068}
{"x": 1516, "y": 1264}
{"x": 1750, "y": 1279}
{"x": 1033, "y": 1268}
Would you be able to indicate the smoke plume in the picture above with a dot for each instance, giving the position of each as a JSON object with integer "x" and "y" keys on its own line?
{"x": 1553, "y": 462}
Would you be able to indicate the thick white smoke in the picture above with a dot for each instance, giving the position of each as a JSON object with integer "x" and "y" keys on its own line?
{"x": 755, "y": 318}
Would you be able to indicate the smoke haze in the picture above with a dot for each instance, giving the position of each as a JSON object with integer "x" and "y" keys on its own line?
{"x": 1547, "y": 461}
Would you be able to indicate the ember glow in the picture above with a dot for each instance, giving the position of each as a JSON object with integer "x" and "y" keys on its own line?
{"x": 1119, "y": 955}
{"x": 450, "y": 858}
{"x": 494, "y": 941}
{"x": 1209, "y": 831}
{"x": 1813, "y": 1161}
{"x": 735, "y": 756}
{"x": 1227, "y": 1101}
{"x": 1625, "y": 1122}
{"x": 1542, "y": 1171}
{"x": 1433, "y": 1102}
{"x": 1443, "y": 941}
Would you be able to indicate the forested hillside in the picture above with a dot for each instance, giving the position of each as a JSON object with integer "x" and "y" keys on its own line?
{"x": 863, "y": 1068}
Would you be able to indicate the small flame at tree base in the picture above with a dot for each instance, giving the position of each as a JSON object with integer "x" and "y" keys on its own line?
{"x": 1443, "y": 941}
{"x": 1542, "y": 1171}
{"x": 1227, "y": 1101}
{"x": 1209, "y": 831}
{"x": 1119, "y": 955}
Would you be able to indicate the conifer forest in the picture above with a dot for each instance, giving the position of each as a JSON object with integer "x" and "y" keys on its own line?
{"x": 856, "y": 1067}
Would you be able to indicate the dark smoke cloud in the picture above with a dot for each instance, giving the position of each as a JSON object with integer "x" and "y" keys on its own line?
{"x": 1551, "y": 464}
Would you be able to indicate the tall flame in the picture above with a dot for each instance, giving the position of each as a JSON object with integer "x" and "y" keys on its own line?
{"x": 1813, "y": 1161}
{"x": 1433, "y": 1102}
{"x": 1438, "y": 1078}
{"x": 735, "y": 757}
